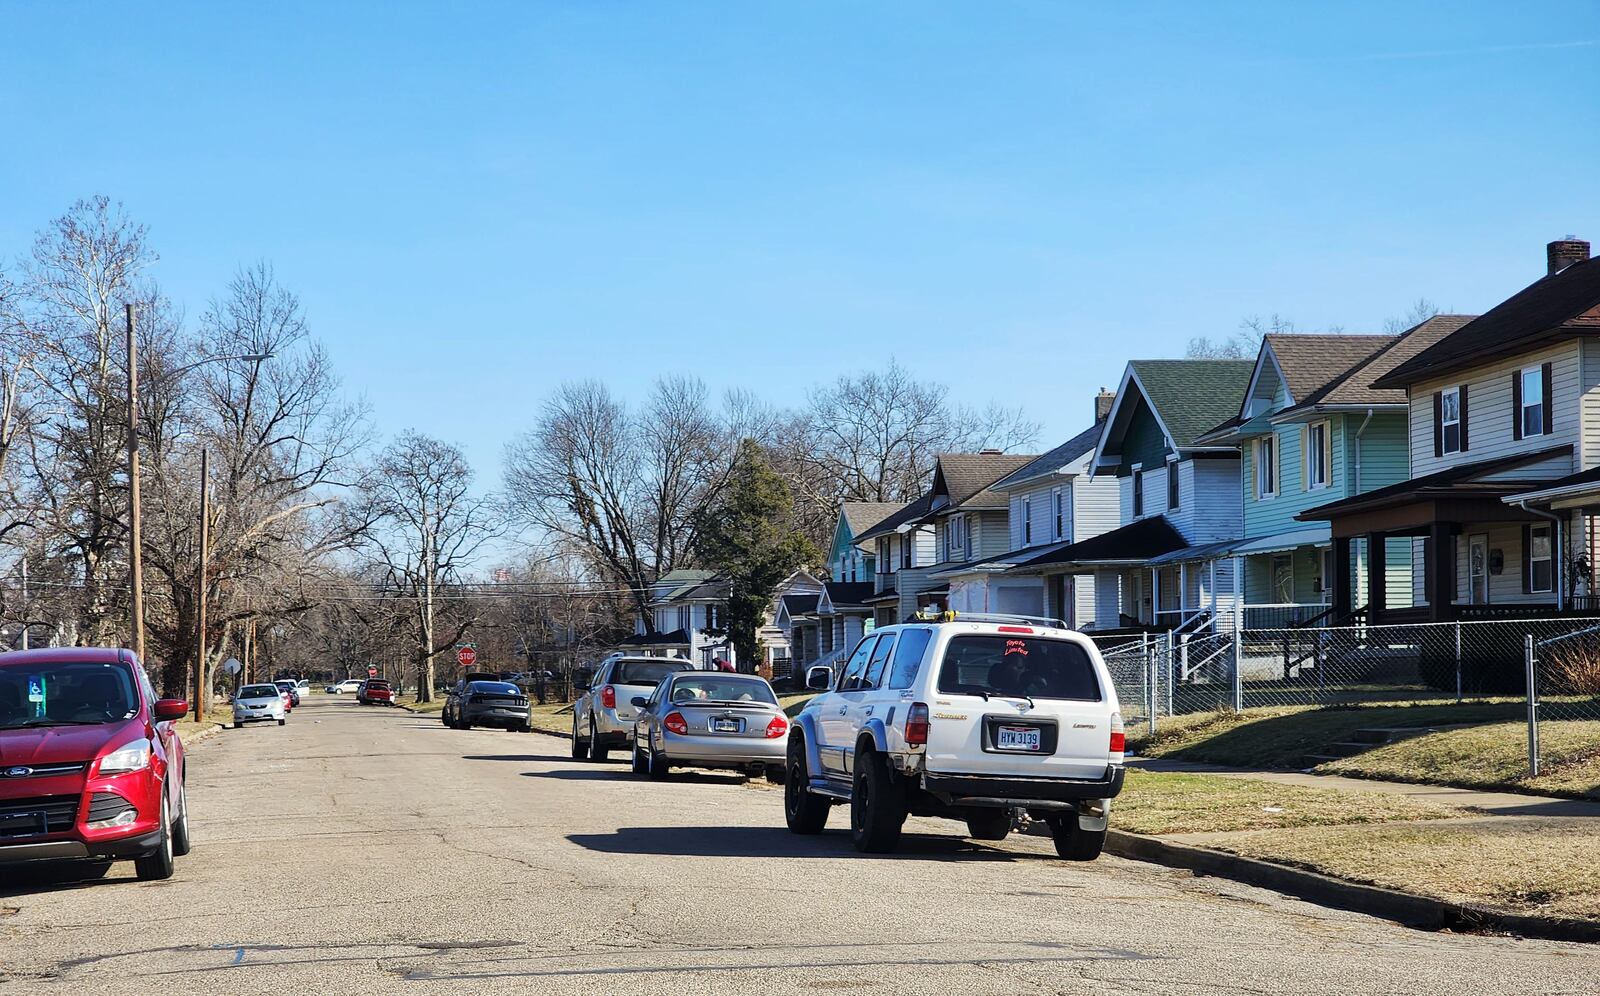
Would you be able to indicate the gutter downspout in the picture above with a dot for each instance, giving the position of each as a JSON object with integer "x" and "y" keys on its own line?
{"x": 1557, "y": 569}
{"x": 1363, "y": 428}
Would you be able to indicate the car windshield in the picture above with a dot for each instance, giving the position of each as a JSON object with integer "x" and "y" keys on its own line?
{"x": 648, "y": 673}
{"x": 722, "y": 688}
{"x": 495, "y": 688}
{"x": 258, "y": 692}
{"x": 65, "y": 694}
{"x": 1018, "y": 667}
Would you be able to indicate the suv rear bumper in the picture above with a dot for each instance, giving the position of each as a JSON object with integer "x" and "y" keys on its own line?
{"x": 1022, "y": 791}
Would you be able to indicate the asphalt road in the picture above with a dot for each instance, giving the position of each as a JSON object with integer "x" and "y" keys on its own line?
{"x": 372, "y": 851}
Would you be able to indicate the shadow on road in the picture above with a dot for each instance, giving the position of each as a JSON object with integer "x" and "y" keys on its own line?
{"x": 774, "y": 842}
{"x": 23, "y": 881}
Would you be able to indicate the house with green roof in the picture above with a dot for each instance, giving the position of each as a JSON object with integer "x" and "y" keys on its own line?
{"x": 1179, "y": 498}
{"x": 688, "y": 610}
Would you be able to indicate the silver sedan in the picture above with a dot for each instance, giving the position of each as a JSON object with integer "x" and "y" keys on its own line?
{"x": 711, "y": 719}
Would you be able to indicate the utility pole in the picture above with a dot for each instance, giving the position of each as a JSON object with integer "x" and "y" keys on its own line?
{"x": 25, "y": 620}
{"x": 200, "y": 683}
{"x": 135, "y": 542}
{"x": 249, "y": 652}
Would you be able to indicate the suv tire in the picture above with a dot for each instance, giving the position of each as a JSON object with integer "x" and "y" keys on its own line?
{"x": 988, "y": 824}
{"x": 157, "y": 866}
{"x": 1073, "y": 843}
{"x": 580, "y": 750}
{"x": 804, "y": 812}
{"x": 598, "y": 752}
{"x": 877, "y": 805}
{"x": 181, "y": 844}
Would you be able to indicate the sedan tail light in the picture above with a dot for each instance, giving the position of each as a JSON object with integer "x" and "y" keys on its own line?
{"x": 1119, "y": 738}
{"x": 675, "y": 723}
{"x": 777, "y": 728}
{"x": 917, "y": 724}
{"x": 608, "y": 697}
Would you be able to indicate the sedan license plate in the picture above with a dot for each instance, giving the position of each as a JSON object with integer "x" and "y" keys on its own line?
{"x": 1017, "y": 738}
{"x": 724, "y": 726}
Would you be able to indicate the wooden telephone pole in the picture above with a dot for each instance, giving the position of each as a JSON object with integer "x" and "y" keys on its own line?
{"x": 201, "y": 691}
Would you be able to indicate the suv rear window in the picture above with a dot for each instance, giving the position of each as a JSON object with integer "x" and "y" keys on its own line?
{"x": 1012, "y": 667}
{"x": 375, "y": 685}
{"x": 648, "y": 673}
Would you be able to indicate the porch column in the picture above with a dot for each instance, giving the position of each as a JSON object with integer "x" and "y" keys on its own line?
{"x": 1377, "y": 566}
{"x": 1440, "y": 560}
{"x": 1341, "y": 581}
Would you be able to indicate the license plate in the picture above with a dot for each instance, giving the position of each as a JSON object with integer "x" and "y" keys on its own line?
{"x": 724, "y": 726}
{"x": 1017, "y": 738}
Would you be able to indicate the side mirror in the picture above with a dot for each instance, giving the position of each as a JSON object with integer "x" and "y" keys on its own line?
{"x": 639, "y": 701}
{"x": 170, "y": 709}
{"x": 819, "y": 678}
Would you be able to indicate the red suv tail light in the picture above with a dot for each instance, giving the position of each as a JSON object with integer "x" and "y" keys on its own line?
{"x": 777, "y": 728}
{"x": 675, "y": 723}
{"x": 1119, "y": 739}
{"x": 608, "y": 697}
{"x": 917, "y": 724}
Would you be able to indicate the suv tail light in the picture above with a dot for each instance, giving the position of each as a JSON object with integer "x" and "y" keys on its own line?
{"x": 675, "y": 723}
{"x": 777, "y": 728}
{"x": 1119, "y": 738}
{"x": 917, "y": 724}
{"x": 608, "y": 697}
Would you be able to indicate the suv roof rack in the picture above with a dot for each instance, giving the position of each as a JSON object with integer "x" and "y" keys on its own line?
{"x": 951, "y": 615}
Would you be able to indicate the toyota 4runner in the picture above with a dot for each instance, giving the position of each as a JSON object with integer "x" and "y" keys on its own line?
{"x": 978, "y": 719}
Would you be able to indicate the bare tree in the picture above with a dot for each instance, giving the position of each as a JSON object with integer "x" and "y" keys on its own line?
{"x": 428, "y": 529}
{"x": 1421, "y": 310}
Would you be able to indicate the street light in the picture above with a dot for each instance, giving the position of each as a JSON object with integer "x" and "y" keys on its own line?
{"x": 135, "y": 538}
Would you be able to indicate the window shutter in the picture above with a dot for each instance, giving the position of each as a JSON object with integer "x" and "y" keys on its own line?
{"x": 1438, "y": 423}
{"x": 1516, "y": 404}
{"x": 1527, "y": 559}
{"x": 1549, "y": 396}
{"x": 1463, "y": 390}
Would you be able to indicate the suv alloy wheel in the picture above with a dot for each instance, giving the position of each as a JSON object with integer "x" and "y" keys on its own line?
{"x": 580, "y": 750}
{"x": 158, "y": 866}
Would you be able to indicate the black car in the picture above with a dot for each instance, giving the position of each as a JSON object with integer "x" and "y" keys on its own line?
{"x": 486, "y": 703}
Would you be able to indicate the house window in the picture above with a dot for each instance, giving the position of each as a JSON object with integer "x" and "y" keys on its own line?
{"x": 1027, "y": 521}
{"x": 955, "y": 537}
{"x": 1541, "y": 562}
{"x": 905, "y": 550}
{"x": 1450, "y": 420}
{"x": 1531, "y": 398}
{"x": 1266, "y": 466}
{"x": 1172, "y": 486}
{"x": 1138, "y": 493}
{"x": 1319, "y": 452}
{"x": 712, "y": 620}
{"x": 1058, "y": 513}
{"x": 685, "y": 619}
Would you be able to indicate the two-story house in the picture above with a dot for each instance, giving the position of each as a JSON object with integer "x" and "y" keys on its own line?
{"x": 846, "y": 561}
{"x": 1179, "y": 499}
{"x": 1052, "y": 502}
{"x": 1503, "y": 420}
{"x": 1312, "y": 429}
{"x": 972, "y": 524}
{"x": 688, "y": 610}
{"x": 903, "y": 551}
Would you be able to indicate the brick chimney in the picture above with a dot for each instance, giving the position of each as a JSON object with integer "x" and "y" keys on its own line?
{"x": 1102, "y": 405}
{"x": 1562, "y": 253}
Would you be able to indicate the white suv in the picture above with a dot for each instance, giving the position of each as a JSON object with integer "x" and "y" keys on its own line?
{"x": 973, "y": 719}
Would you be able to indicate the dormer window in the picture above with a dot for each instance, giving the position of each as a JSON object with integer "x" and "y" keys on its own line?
{"x": 1530, "y": 402}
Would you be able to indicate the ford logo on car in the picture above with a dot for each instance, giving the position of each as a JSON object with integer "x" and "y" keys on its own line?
{"x": 18, "y": 772}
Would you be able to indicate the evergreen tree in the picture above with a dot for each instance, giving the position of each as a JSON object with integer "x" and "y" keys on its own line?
{"x": 749, "y": 538}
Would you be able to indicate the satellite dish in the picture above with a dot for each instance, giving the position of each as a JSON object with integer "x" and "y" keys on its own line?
{"x": 232, "y": 665}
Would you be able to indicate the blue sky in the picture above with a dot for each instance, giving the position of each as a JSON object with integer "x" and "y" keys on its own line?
{"x": 1014, "y": 198}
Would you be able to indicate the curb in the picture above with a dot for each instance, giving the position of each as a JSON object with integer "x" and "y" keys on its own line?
{"x": 1404, "y": 908}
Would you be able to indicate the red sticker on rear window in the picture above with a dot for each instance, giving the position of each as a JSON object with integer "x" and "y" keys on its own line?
{"x": 1016, "y": 647}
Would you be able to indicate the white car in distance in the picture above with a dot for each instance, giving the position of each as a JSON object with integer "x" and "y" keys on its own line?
{"x": 346, "y": 687}
{"x": 257, "y": 704}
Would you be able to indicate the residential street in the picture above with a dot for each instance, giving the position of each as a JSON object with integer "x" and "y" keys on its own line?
{"x": 364, "y": 851}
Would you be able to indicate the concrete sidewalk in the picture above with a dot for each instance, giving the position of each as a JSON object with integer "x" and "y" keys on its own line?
{"x": 1492, "y": 803}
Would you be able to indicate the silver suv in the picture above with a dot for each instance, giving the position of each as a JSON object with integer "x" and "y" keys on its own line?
{"x": 976, "y": 719}
{"x": 603, "y": 716}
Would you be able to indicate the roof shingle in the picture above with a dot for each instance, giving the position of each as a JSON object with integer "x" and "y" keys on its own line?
{"x": 1192, "y": 396}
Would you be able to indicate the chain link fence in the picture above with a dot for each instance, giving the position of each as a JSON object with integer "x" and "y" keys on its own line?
{"x": 1173, "y": 674}
{"x": 1563, "y": 673}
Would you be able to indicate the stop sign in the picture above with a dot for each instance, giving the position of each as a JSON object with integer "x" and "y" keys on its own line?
{"x": 372, "y": 672}
{"x": 466, "y": 656}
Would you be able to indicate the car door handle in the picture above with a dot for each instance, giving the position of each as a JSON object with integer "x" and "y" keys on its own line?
{"x": 843, "y": 710}
{"x": 869, "y": 710}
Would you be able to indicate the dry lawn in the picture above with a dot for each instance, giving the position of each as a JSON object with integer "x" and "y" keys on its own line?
{"x": 1493, "y": 756}
{"x": 1173, "y": 803}
{"x": 1548, "y": 868}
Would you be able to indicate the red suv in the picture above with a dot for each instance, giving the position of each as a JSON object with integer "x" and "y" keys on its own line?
{"x": 91, "y": 769}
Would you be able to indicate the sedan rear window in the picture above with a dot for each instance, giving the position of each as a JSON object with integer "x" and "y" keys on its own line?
{"x": 648, "y": 673}
{"x": 1018, "y": 666}
{"x": 720, "y": 689}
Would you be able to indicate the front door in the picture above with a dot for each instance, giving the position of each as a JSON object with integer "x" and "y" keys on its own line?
{"x": 1283, "y": 580}
{"x": 1478, "y": 569}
